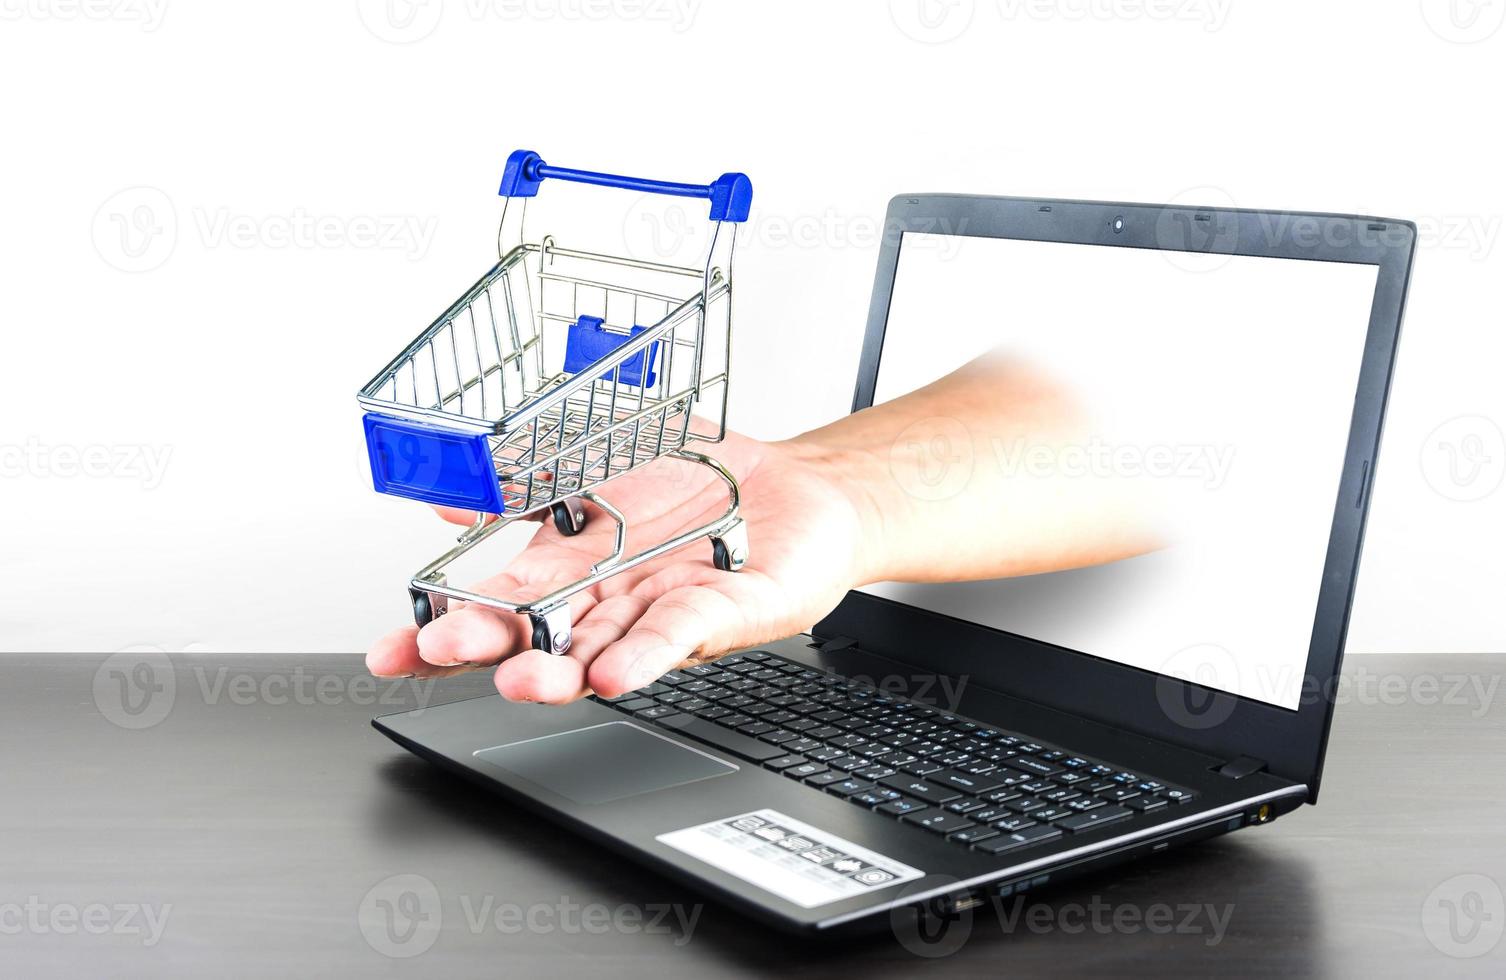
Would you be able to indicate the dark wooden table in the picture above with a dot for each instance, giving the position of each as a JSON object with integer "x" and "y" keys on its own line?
{"x": 236, "y": 816}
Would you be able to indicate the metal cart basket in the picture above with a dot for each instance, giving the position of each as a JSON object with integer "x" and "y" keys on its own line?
{"x": 558, "y": 370}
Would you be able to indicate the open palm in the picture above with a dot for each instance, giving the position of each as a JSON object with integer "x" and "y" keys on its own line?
{"x": 805, "y": 543}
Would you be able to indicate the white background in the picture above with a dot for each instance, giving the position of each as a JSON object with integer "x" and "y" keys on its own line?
{"x": 221, "y": 334}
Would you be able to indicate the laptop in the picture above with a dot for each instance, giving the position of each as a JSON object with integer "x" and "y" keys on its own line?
{"x": 928, "y": 747}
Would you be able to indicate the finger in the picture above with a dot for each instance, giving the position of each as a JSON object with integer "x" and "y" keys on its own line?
{"x": 396, "y": 655}
{"x": 677, "y": 624}
{"x": 455, "y": 515}
{"x": 479, "y": 636}
{"x": 535, "y": 675}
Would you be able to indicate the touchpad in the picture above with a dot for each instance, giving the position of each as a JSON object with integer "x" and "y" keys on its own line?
{"x": 606, "y": 762}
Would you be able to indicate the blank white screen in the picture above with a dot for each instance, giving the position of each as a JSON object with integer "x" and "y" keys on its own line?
{"x": 1229, "y": 382}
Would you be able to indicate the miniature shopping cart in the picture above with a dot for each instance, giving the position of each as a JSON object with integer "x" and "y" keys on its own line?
{"x": 559, "y": 370}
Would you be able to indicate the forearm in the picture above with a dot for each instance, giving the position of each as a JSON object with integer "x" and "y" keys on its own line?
{"x": 965, "y": 479}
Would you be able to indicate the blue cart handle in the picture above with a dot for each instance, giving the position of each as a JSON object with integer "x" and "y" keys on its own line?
{"x": 731, "y": 195}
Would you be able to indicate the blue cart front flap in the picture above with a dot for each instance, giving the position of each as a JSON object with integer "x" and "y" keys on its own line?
{"x": 432, "y": 464}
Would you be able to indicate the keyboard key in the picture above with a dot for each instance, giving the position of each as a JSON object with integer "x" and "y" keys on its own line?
{"x": 1120, "y": 794}
{"x": 1012, "y": 824}
{"x": 974, "y": 785}
{"x": 656, "y": 711}
{"x": 728, "y": 741}
{"x": 1002, "y": 795}
{"x": 824, "y": 778}
{"x": 1049, "y": 814}
{"x": 1061, "y": 795}
{"x": 873, "y": 772}
{"x": 900, "y": 807}
{"x": 1085, "y": 804}
{"x": 1079, "y": 822}
{"x": 1020, "y": 838}
{"x": 972, "y": 835}
{"x": 805, "y": 769}
{"x": 965, "y": 805}
{"x": 921, "y": 767}
{"x": 849, "y": 787}
{"x": 634, "y": 704}
{"x": 784, "y": 762}
{"x": 1174, "y": 795}
{"x": 1144, "y": 803}
{"x": 756, "y": 728}
{"x": 873, "y": 797}
{"x": 938, "y": 822}
{"x": 921, "y": 789}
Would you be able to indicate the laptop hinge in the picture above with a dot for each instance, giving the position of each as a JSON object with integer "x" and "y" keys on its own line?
{"x": 835, "y": 643}
{"x": 1241, "y": 767}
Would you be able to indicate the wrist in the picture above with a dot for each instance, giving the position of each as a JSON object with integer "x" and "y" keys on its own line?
{"x": 857, "y": 478}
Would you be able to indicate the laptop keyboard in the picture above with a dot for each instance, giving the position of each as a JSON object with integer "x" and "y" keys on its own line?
{"x": 978, "y": 786}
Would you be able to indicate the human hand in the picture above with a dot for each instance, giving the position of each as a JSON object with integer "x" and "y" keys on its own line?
{"x": 806, "y": 534}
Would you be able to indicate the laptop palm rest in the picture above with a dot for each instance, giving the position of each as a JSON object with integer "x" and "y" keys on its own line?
{"x": 605, "y": 762}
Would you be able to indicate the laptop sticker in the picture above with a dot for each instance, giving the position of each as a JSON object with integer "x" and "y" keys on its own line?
{"x": 797, "y": 862}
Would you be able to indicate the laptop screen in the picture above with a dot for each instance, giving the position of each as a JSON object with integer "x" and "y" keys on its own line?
{"x": 1219, "y": 392}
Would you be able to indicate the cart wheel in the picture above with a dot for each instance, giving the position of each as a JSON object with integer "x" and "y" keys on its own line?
{"x": 550, "y": 629}
{"x": 729, "y": 551}
{"x": 720, "y": 556}
{"x": 569, "y": 517}
{"x": 423, "y": 613}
